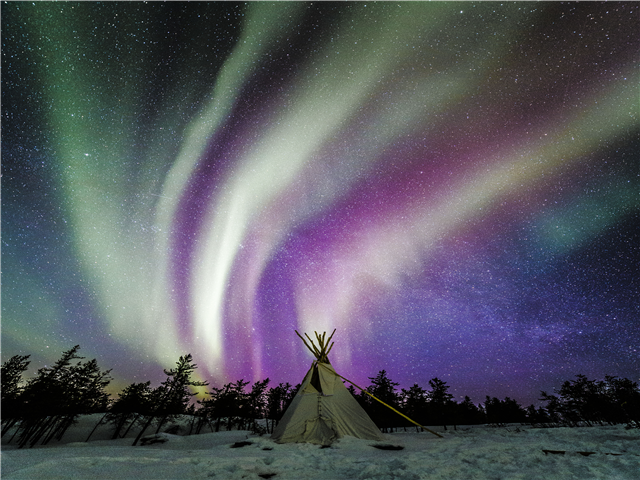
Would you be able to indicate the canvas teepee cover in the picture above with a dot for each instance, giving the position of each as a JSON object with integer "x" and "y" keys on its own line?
{"x": 323, "y": 410}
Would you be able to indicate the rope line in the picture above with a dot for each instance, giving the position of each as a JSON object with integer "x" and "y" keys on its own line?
{"x": 375, "y": 398}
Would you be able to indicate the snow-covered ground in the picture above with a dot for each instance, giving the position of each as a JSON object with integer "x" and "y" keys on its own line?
{"x": 514, "y": 452}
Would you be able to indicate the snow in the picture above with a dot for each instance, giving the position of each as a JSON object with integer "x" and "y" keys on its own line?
{"x": 512, "y": 452}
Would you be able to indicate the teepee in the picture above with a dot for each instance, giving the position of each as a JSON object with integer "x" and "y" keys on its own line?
{"x": 323, "y": 410}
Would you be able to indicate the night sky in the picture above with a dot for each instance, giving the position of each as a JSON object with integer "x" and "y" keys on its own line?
{"x": 454, "y": 187}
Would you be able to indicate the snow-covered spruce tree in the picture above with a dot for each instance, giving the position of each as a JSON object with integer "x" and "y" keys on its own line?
{"x": 171, "y": 398}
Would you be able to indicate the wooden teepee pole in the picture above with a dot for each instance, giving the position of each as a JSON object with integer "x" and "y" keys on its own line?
{"x": 321, "y": 352}
{"x": 312, "y": 350}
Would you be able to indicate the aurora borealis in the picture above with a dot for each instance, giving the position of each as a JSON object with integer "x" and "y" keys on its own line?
{"x": 454, "y": 187}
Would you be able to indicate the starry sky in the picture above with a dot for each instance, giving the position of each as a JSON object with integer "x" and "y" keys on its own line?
{"x": 454, "y": 187}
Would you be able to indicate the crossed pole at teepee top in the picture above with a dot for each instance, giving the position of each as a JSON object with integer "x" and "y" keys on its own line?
{"x": 321, "y": 353}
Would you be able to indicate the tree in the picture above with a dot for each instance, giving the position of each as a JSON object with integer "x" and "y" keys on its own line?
{"x": 553, "y": 408}
{"x": 469, "y": 414}
{"x": 58, "y": 395}
{"x": 173, "y": 395}
{"x": 439, "y": 393}
{"x": 11, "y": 374}
{"x": 133, "y": 403}
{"x": 611, "y": 400}
{"x": 11, "y": 378}
{"x": 385, "y": 390}
{"x": 278, "y": 400}
{"x": 414, "y": 402}
{"x": 537, "y": 416}
{"x": 504, "y": 411}
{"x": 624, "y": 400}
{"x": 440, "y": 402}
{"x": 256, "y": 405}
{"x": 88, "y": 385}
{"x": 583, "y": 399}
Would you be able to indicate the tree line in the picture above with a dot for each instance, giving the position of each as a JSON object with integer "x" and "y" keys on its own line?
{"x": 45, "y": 406}
{"x": 578, "y": 402}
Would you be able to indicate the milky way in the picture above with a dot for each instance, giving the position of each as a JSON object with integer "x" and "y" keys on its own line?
{"x": 454, "y": 187}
